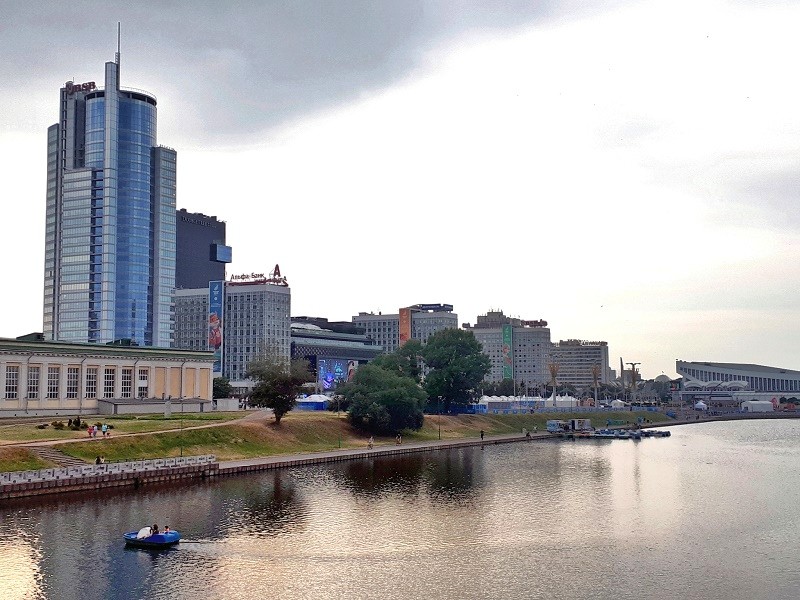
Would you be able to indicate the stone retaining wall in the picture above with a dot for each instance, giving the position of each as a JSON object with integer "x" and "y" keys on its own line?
{"x": 93, "y": 477}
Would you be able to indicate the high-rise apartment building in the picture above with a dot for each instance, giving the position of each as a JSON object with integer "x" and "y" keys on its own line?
{"x": 109, "y": 270}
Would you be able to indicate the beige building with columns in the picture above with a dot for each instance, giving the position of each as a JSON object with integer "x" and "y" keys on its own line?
{"x": 53, "y": 378}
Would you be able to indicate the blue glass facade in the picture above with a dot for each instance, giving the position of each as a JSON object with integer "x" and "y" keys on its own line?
{"x": 110, "y": 239}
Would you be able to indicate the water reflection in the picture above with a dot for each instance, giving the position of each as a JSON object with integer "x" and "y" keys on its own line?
{"x": 450, "y": 476}
{"x": 265, "y": 505}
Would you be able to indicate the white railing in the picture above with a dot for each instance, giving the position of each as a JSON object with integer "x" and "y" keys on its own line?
{"x": 137, "y": 466}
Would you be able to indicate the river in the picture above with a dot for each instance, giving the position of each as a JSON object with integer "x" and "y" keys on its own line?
{"x": 711, "y": 512}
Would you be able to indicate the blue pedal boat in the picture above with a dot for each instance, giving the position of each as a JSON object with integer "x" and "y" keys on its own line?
{"x": 158, "y": 540}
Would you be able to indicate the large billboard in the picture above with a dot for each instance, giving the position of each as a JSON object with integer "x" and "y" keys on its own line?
{"x": 508, "y": 352}
{"x": 405, "y": 325}
{"x": 216, "y": 303}
{"x": 333, "y": 371}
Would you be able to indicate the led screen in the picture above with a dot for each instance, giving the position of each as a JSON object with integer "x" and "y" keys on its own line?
{"x": 333, "y": 371}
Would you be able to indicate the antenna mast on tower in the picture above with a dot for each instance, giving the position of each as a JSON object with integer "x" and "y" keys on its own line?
{"x": 119, "y": 35}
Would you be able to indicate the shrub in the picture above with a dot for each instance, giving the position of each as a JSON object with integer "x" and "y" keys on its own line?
{"x": 42, "y": 426}
{"x": 58, "y": 424}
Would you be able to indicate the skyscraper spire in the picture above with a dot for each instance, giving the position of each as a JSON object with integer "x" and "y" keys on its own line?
{"x": 119, "y": 35}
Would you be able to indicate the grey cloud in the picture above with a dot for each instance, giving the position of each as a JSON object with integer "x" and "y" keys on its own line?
{"x": 247, "y": 66}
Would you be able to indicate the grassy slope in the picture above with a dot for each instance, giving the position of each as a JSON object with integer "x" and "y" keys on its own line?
{"x": 21, "y": 459}
{"x": 304, "y": 432}
{"x": 27, "y": 432}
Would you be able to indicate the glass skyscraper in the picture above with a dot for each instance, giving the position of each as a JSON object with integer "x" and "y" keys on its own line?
{"x": 109, "y": 270}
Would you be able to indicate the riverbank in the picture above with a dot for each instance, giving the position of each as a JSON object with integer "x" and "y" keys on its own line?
{"x": 256, "y": 436}
{"x": 149, "y": 472}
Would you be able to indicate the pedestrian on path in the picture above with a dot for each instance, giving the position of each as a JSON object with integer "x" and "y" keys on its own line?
{"x": 371, "y": 442}
{"x": 399, "y": 439}
{"x": 481, "y": 434}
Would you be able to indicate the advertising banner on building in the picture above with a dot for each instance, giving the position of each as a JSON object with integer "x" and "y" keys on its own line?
{"x": 508, "y": 352}
{"x": 216, "y": 302}
{"x": 405, "y": 325}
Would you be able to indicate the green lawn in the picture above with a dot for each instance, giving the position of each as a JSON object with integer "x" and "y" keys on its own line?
{"x": 21, "y": 459}
{"x": 28, "y": 432}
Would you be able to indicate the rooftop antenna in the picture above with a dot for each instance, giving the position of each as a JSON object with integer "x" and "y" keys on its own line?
{"x": 119, "y": 35}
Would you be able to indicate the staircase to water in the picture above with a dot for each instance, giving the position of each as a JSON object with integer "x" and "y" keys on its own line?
{"x": 50, "y": 454}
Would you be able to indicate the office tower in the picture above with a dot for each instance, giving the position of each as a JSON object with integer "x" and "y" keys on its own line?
{"x": 109, "y": 270}
{"x": 252, "y": 317}
{"x": 201, "y": 250}
{"x": 575, "y": 360}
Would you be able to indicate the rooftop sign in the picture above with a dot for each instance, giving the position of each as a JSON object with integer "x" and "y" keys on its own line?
{"x": 274, "y": 278}
{"x": 79, "y": 87}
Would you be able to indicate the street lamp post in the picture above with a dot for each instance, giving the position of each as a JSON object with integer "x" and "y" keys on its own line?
{"x": 439, "y": 405}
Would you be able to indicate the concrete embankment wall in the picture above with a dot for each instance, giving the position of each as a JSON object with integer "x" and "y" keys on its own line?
{"x": 58, "y": 481}
{"x": 265, "y": 464}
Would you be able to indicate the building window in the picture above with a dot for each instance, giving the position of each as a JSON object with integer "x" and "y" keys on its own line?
{"x": 127, "y": 383}
{"x": 33, "y": 382}
{"x": 91, "y": 382}
{"x": 108, "y": 382}
{"x": 142, "y": 388}
{"x": 12, "y": 382}
{"x": 53, "y": 381}
{"x": 73, "y": 376}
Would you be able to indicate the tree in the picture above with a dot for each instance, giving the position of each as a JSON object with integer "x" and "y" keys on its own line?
{"x": 457, "y": 366}
{"x": 404, "y": 361}
{"x": 222, "y": 388}
{"x": 278, "y": 381}
{"x": 381, "y": 401}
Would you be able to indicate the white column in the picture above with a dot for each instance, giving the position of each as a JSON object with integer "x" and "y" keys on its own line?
{"x": 117, "y": 381}
{"x": 2, "y": 380}
{"x": 23, "y": 383}
{"x": 62, "y": 384}
{"x": 43, "y": 383}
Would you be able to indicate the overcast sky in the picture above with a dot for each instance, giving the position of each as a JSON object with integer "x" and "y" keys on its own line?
{"x": 627, "y": 171}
